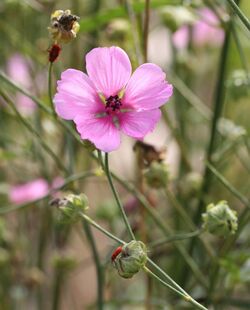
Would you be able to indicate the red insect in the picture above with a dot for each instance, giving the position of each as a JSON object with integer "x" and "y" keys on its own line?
{"x": 116, "y": 252}
{"x": 54, "y": 52}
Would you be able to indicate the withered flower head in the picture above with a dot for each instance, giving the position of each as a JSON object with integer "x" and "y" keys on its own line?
{"x": 64, "y": 26}
{"x": 148, "y": 153}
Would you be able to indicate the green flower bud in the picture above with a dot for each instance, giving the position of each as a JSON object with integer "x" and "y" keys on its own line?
{"x": 64, "y": 263}
{"x": 219, "y": 219}
{"x": 190, "y": 184}
{"x": 72, "y": 206}
{"x": 176, "y": 16}
{"x": 4, "y": 257}
{"x": 228, "y": 129}
{"x": 118, "y": 29}
{"x": 130, "y": 258}
{"x": 238, "y": 84}
{"x": 157, "y": 175}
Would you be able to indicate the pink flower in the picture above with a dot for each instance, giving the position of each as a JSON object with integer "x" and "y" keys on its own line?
{"x": 18, "y": 71}
{"x": 29, "y": 191}
{"x": 109, "y": 100}
{"x": 205, "y": 31}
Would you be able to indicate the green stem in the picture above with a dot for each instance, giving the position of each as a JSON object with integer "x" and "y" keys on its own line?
{"x": 176, "y": 237}
{"x": 240, "y": 14}
{"x": 99, "y": 269}
{"x": 50, "y": 87}
{"x": 176, "y": 134}
{"x": 100, "y": 228}
{"x": 218, "y": 107}
{"x": 11, "y": 83}
{"x": 57, "y": 289}
{"x": 161, "y": 224}
{"x": 186, "y": 297}
{"x": 34, "y": 132}
{"x": 228, "y": 185}
{"x": 146, "y": 29}
{"x": 243, "y": 58}
{"x": 136, "y": 38}
{"x": 124, "y": 216}
{"x": 177, "y": 288}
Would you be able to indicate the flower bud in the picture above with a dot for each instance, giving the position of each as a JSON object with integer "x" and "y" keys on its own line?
{"x": 190, "y": 184}
{"x": 54, "y": 52}
{"x": 72, "y": 206}
{"x": 156, "y": 175}
{"x": 130, "y": 258}
{"x": 64, "y": 26}
{"x": 4, "y": 257}
{"x": 229, "y": 130}
{"x": 118, "y": 29}
{"x": 176, "y": 16}
{"x": 219, "y": 219}
{"x": 64, "y": 263}
{"x": 238, "y": 84}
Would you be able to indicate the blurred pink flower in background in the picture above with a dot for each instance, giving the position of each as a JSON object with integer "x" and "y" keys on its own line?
{"x": 205, "y": 31}
{"x": 33, "y": 190}
{"x": 18, "y": 70}
{"x": 28, "y": 192}
{"x": 109, "y": 100}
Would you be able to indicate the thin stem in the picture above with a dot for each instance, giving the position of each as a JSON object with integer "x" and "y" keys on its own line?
{"x": 124, "y": 216}
{"x": 146, "y": 29}
{"x": 218, "y": 107}
{"x": 135, "y": 35}
{"x": 104, "y": 231}
{"x": 177, "y": 288}
{"x": 177, "y": 237}
{"x": 178, "y": 138}
{"x": 41, "y": 105}
{"x": 243, "y": 58}
{"x": 50, "y": 87}
{"x": 186, "y": 297}
{"x": 163, "y": 282}
{"x": 99, "y": 268}
{"x": 228, "y": 185}
{"x": 161, "y": 224}
{"x": 33, "y": 131}
{"x": 59, "y": 277}
{"x": 240, "y": 14}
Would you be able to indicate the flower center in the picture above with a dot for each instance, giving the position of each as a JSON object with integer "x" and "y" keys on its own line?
{"x": 113, "y": 104}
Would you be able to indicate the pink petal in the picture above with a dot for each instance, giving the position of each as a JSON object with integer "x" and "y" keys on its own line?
{"x": 181, "y": 37}
{"x": 76, "y": 95}
{"x": 18, "y": 70}
{"x": 138, "y": 124}
{"x": 30, "y": 191}
{"x": 207, "y": 30}
{"x": 147, "y": 88}
{"x": 101, "y": 131}
{"x": 109, "y": 69}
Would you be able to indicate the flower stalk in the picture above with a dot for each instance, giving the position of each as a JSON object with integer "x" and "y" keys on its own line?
{"x": 117, "y": 199}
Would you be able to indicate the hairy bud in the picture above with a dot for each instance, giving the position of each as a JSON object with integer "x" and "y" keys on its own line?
{"x": 72, "y": 206}
{"x": 157, "y": 175}
{"x": 130, "y": 258}
{"x": 220, "y": 219}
